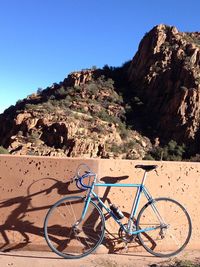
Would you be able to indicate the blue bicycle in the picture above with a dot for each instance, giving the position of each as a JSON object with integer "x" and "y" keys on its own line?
{"x": 75, "y": 226}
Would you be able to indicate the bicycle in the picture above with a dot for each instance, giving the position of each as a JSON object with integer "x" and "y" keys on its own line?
{"x": 74, "y": 226}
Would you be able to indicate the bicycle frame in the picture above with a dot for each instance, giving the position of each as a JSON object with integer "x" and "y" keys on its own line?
{"x": 140, "y": 189}
{"x": 75, "y": 225}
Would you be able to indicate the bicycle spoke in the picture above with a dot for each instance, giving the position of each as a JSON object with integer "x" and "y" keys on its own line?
{"x": 69, "y": 239}
{"x": 163, "y": 225}
{"x": 172, "y": 236}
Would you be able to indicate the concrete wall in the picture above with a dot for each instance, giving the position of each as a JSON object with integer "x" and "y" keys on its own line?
{"x": 30, "y": 185}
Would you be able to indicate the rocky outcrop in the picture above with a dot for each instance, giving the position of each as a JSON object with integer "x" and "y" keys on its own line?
{"x": 70, "y": 136}
{"x": 87, "y": 114}
{"x": 80, "y": 77}
{"x": 81, "y": 117}
{"x": 165, "y": 74}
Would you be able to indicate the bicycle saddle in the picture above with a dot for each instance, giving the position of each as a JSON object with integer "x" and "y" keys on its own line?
{"x": 147, "y": 168}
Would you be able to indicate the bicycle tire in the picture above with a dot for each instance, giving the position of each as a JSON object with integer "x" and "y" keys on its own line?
{"x": 163, "y": 243}
{"x": 74, "y": 242}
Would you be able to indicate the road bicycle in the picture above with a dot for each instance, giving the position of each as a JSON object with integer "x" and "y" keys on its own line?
{"x": 75, "y": 225}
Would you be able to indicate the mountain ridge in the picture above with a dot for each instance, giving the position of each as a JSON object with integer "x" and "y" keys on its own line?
{"x": 166, "y": 76}
{"x": 117, "y": 111}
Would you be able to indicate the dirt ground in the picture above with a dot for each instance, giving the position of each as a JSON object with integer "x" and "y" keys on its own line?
{"x": 49, "y": 259}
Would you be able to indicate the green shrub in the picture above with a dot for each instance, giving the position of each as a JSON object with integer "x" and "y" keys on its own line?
{"x": 92, "y": 88}
{"x": 77, "y": 89}
{"x": 33, "y": 137}
{"x": 30, "y": 106}
{"x": 130, "y": 145}
{"x": 123, "y": 148}
{"x": 109, "y": 83}
{"x": 124, "y": 132}
{"x": 103, "y": 115}
{"x": 61, "y": 91}
{"x": 116, "y": 148}
{"x": 3, "y": 150}
{"x": 48, "y": 106}
{"x": 98, "y": 128}
{"x": 195, "y": 158}
{"x": 172, "y": 152}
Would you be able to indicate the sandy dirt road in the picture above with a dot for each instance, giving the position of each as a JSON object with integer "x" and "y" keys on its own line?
{"x": 49, "y": 259}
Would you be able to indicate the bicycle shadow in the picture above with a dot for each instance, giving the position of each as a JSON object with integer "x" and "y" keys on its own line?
{"x": 23, "y": 209}
{"x": 110, "y": 180}
{"x": 17, "y": 221}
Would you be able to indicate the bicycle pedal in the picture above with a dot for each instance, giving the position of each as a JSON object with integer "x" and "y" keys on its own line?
{"x": 126, "y": 248}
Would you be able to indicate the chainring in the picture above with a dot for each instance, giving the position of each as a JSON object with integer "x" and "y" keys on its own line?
{"x": 125, "y": 236}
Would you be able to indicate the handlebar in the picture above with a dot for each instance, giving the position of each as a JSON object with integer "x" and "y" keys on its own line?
{"x": 78, "y": 178}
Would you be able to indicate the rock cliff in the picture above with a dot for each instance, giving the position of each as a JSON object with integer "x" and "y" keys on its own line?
{"x": 115, "y": 112}
{"x": 83, "y": 116}
{"x": 165, "y": 75}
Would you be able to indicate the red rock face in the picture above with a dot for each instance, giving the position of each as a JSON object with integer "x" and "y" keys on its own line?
{"x": 165, "y": 73}
{"x": 84, "y": 115}
{"x": 80, "y": 117}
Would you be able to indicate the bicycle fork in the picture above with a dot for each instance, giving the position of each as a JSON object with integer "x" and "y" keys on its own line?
{"x": 78, "y": 222}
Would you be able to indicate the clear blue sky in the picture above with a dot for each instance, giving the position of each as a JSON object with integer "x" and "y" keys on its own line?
{"x": 42, "y": 41}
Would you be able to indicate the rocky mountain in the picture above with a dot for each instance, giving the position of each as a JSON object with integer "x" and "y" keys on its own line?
{"x": 165, "y": 75}
{"x": 149, "y": 105}
{"x": 83, "y": 116}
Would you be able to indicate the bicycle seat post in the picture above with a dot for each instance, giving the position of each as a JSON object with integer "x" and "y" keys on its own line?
{"x": 144, "y": 178}
{"x": 146, "y": 168}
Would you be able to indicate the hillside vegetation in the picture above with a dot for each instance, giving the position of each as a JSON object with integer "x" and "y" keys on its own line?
{"x": 146, "y": 109}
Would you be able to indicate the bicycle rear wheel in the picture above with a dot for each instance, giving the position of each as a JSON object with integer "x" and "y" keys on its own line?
{"x": 69, "y": 237}
{"x": 173, "y": 229}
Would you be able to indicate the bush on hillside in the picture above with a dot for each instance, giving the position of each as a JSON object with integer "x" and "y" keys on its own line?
{"x": 172, "y": 152}
{"x": 3, "y": 150}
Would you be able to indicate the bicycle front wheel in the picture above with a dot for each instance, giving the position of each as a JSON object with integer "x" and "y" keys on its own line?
{"x": 69, "y": 236}
{"x": 171, "y": 223}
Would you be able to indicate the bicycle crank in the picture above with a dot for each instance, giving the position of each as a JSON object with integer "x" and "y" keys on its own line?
{"x": 124, "y": 236}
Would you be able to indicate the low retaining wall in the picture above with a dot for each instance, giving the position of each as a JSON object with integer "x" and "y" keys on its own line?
{"x": 30, "y": 185}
